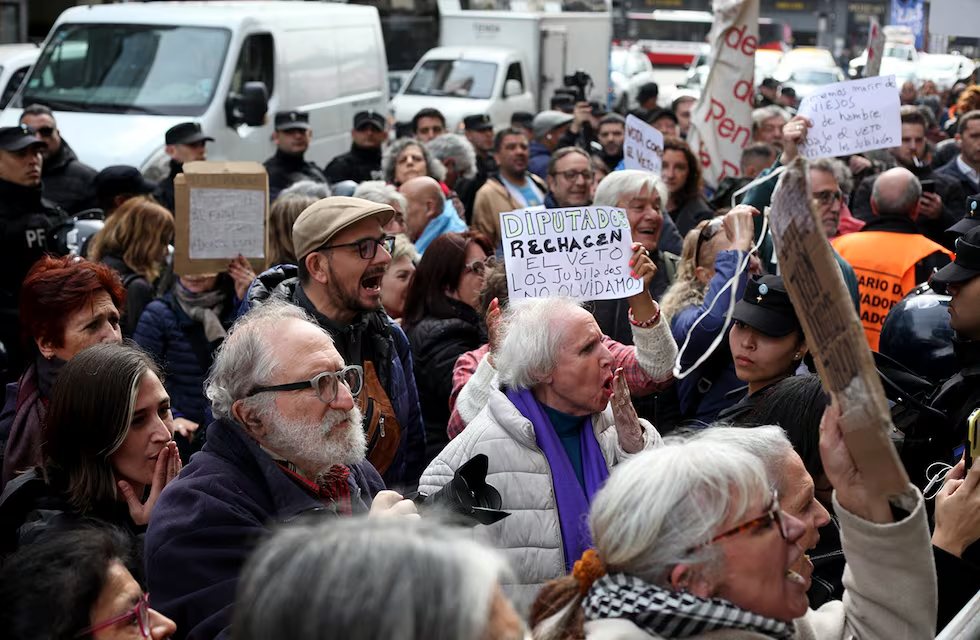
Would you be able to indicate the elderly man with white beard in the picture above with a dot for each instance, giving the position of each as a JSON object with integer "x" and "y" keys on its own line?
{"x": 287, "y": 442}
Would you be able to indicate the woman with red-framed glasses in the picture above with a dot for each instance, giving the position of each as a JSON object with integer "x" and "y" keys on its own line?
{"x": 76, "y": 584}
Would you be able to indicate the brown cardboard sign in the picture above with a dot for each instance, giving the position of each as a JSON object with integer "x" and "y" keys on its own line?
{"x": 833, "y": 331}
{"x": 221, "y": 211}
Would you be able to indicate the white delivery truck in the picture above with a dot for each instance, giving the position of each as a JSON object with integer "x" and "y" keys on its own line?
{"x": 118, "y": 76}
{"x": 501, "y": 61}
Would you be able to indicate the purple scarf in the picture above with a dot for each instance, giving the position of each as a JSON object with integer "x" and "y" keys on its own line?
{"x": 573, "y": 503}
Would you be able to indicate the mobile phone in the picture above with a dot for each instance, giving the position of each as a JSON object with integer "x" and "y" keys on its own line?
{"x": 972, "y": 448}
{"x": 928, "y": 186}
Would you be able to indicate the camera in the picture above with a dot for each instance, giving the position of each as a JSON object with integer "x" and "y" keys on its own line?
{"x": 578, "y": 85}
{"x": 467, "y": 499}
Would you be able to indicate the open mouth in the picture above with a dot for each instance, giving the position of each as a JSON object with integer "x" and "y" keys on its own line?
{"x": 372, "y": 282}
{"x": 607, "y": 386}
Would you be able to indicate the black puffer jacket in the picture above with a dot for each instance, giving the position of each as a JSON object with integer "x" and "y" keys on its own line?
{"x": 67, "y": 181}
{"x": 436, "y": 344}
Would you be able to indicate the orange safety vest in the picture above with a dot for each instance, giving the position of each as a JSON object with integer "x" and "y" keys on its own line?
{"x": 884, "y": 262}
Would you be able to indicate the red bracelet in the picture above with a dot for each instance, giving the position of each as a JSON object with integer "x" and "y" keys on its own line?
{"x": 646, "y": 324}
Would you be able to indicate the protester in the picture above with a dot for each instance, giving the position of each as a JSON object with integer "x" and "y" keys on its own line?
{"x": 107, "y": 447}
{"x": 278, "y": 449}
{"x": 646, "y": 96}
{"x": 767, "y": 124}
{"x": 713, "y": 254}
{"x": 406, "y": 159}
{"x": 282, "y": 215}
{"x": 398, "y": 277}
{"x": 428, "y": 214}
{"x": 76, "y": 584}
{"x": 295, "y": 575}
{"x": 682, "y": 106}
{"x": 611, "y": 134}
{"x": 766, "y": 341}
{"x": 966, "y": 167}
{"x": 184, "y": 142}
{"x": 715, "y": 552}
{"x": 754, "y": 160}
{"x": 549, "y": 127}
{"x": 28, "y": 226}
{"x": 383, "y": 193}
{"x": 665, "y": 121}
{"x": 478, "y": 129}
{"x": 116, "y": 184}
{"x": 292, "y": 137}
{"x": 768, "y": 94}
{"x": 457, "y": 155}
{"x": 788, "y": 99}
{"x": 66, "y": 305}
{"x": 681, "y": 172}
{"x": 569, "y": 179}
{"x": 428, "y": 124}
{"x": 514, "y": 187}
{"x": 343, "y": 254}
{"x": 66, "y": 180}
{"x": 134, "y": 242}
{"x": 442, "y": 322}
{"x": 363, "y": 161}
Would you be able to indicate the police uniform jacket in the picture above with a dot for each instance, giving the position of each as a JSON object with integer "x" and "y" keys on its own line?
{"x": 284, "y": 169}
{"x": 358, "y": 164}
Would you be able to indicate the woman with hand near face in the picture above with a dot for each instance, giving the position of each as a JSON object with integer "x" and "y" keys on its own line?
{"x": 108, "y": 449}
{"x": 681, "y": 172}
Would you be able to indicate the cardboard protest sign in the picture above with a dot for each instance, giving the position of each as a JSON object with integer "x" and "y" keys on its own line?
{"x": 644, "y": 146}
{"x": 833, "y": 332}
{"x": 721, "y": 122}
{"x": 222, "y": 210}
{"x": 580, "y": 252}
{"x": 851, "y": 117}
{"x": 875, "y": 50}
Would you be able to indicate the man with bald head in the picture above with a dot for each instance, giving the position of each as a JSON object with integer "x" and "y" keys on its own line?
{"x": 427, "y": 216}
{"x": 889, "y": 255}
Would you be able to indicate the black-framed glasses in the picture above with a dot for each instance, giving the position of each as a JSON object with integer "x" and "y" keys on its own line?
{"x": 140, "y": 614}
{"x": 479, "y": 267}
{"x": 773, "y": 514}
{"x": 571, "y": 175}
{"x": 708, "y": 232}
{"x": 366, "y": 247}
{"x": 828, "y": 197}
{"x": 326, "y": 384}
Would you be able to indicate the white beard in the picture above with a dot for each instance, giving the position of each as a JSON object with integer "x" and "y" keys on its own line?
{"x": 306, "y": 443}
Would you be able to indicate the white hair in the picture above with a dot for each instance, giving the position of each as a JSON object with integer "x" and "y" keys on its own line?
{"x": 381, "y": 192}
{"x": 533, "y": 331}
{"x": 363, "y": 578}
{"x": 433, "y": 168}
{"x": 244, "y": 360}
{"x": 762, "y": 114}
{"x": 309, "y": 188}
{"x": 457, "y": 147}
{"x": 769, "y": 444}
{"x": 626, "y": 183}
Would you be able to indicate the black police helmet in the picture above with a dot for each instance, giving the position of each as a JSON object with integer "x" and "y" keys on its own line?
{"x": 917, "y": 334}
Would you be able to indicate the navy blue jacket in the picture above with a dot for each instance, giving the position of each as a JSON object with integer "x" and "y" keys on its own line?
{"x": 207, "y": 522}
{"x": 538, "y": 158}
{"x": 952, "y": 170}
{"x": 372, "y": 336}
{"x": 170, "y": 336}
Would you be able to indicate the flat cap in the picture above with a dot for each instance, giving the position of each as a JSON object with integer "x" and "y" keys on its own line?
{"x": 323, "y": 219}
{"x": 548, "y": 121}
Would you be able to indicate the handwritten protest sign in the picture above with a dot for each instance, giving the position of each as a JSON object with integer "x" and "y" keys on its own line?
{"x": 721, "y": 122}
{"x": 850, "y": 117}
{"x": 644, "y": 146}
{"x": 580, "y": 252}
{"x": 221, "y": 212}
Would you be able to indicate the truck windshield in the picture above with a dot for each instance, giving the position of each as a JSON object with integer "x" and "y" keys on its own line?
{"x": 455, "y": 78}
{"x": 125, "y": 68}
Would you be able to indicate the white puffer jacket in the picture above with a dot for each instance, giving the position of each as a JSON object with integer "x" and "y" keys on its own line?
{"x": 530, "y": 537}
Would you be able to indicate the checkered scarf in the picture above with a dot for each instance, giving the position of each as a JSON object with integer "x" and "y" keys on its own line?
{"x": 671, "y": 614}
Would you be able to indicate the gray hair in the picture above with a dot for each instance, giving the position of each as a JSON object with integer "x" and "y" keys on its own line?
{"x": 244, "y": 360}
{"x": 381, "y": 192}
{"x": 456, "y": 147}
{"x": 662, "y": 507}
{"x": 364, "y": 578}
{"x": 404, "y": 249}
{"x": 762, "y": 114}
{"x": 626, "y": 183}
{"x": 532, "y": 339}
{"x": 769, "y": 444}
{"x": 433, "y": 168}
{"x": 896, "y": 206}
{"x": 840, "y": 171}
{"x": 318, "y": 190}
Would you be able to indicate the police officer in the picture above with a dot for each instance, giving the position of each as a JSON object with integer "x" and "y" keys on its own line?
{"x": 185, "y": 142}
{"x": 478, "y": 129}
{"x": 363, "y": 161}
{"x": 27, "y": 225}
{"x": 292, "y": 137}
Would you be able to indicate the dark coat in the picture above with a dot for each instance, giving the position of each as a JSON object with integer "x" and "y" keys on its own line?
{"x": 538, "y": 158}
{"x": 284, "y": 169}
{"x": 139, "y": 293}
{"x": 372, "y": 336}
{"x": 358, "y": 164}
{"x": 67, "y": 181}
{"x": 165, "y": 188}
{"x": 952, "y": 171}
{"x": 207, "y": 522}
{"x": 436, "y": 344}
{"x": 466, "y": 188}
{"x": 691, "y": 213}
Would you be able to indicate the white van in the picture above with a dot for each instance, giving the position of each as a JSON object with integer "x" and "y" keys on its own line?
{"x": 15, "y": 62}
{"x": 118, "y": 76}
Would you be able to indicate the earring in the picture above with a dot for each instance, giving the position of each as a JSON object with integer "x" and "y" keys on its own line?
{"x": 797, "y": 356}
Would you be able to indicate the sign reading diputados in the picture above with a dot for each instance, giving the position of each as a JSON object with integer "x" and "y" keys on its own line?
{"x": 579, "y": 252}
{"x": 851, "y": 117}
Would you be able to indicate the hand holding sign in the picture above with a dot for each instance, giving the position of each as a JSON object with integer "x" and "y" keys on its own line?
{"x": 850, "y": 117}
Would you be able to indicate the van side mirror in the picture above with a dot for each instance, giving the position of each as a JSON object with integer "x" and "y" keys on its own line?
{"x": 513, "y": 88}
{"x": 248, "y": 107}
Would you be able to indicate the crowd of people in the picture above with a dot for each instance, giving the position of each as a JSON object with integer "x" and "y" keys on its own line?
{"x": 254, "y": 454}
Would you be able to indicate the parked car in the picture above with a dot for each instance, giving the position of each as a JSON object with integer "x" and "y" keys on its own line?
{"x": 945, "y": 69}
{"x": 629, "y": 69}
{"x": 805, "y": 80}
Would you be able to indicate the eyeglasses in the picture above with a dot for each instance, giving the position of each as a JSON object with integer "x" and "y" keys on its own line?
{"x": 572, "y": 175}
{"x": 827, "y": 197}
{"x": 140, "y": 614}
{"x": 366, "y": 247}
{"x": 45, "y": 132}
{"x": 479, "y": 267}
{"x": 326, "y": 384}
{"x": 708, "y": 232}
{"x": 773, "y": 514}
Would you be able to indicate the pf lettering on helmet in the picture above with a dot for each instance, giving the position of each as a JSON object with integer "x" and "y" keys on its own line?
{"x": 35, "y": 237}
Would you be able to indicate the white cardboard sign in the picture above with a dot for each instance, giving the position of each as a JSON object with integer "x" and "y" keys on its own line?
{"x": 579, "y": 252}
{"x": 644, "y": 146}
{"x": 851, "y": 117}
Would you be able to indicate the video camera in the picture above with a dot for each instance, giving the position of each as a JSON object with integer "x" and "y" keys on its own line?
{"x": 578, "y": 85}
